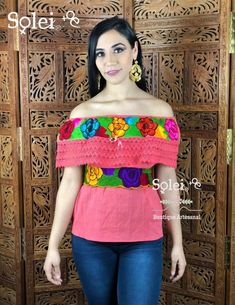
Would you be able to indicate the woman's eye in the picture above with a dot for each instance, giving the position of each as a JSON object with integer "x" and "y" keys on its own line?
{"x": 99, "y": 54}
{"x": 118, "y": 50}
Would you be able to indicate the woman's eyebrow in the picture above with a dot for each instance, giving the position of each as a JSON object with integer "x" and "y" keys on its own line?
{"x": 115, "y": 45}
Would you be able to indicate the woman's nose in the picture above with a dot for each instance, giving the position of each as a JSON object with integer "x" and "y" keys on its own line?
{"x": 110, "y": 58}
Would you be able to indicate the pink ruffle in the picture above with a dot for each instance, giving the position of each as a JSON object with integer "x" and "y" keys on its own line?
{"x": 125, "y": 152}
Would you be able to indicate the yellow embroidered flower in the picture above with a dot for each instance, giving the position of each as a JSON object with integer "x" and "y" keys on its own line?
{"x": 93, "y": 174}
{"x": 160, "y": 132}
{"x": 118, "y": 127}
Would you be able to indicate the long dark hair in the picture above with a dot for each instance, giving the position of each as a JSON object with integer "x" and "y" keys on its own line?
{"x": 123, "y": 27}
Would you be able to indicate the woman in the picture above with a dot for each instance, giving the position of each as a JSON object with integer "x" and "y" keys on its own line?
{"x": 108, "y": 148}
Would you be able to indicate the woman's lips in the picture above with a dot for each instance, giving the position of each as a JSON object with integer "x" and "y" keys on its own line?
{"x": 112, "y": 72}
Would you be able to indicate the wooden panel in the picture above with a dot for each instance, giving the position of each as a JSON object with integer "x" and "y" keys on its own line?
{"x": 11, "y": 211}
{"x": 185, "y": 52}
{"x": 53, "y": 81}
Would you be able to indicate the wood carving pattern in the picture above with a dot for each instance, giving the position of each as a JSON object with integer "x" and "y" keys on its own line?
{"x": 205, "y": 77}
{"x": 151, "y": 9}
{"x": 76, "y": 79}
{"x": 80, "y": 7}
{"x": 63, "y": 36}
{"x": 199, "y": 249}
{"x": 3, "y": 7}
{"x": 201, "y": 279}
{"x": 6, "y": 157}
{"x": 42, "y": 77}
{"x": 41, "y": 243}
{"x": 5, "y": 119}
{"x": 39, "y": 274}
{"x": 4, "y": 78}
{"x": 162, "y": 299}
{"x": 207, "y": 165}
{"x": 40, "y": 157}
{"x": 8, "y": 269}
{"x": 62, "y": 297}
{"x": 72, "y": 272}
{"x": 186, "y": 35}
{"x": 171, "y": 77}
{"x": 7, "y": 242}
{"x": 3, "y": 35}
{"x": 207, "y": 205}
{"x": 184, "y": 166}
{"x": 41, "y": 206}
{"x": 7, "y": 295}
{"x": 148, "y": 69}
{"x": 198, "y": 121}
{"x": 8, "y": 206}
{"x": 179, "y": 299}
{"x": 47, "y": 119}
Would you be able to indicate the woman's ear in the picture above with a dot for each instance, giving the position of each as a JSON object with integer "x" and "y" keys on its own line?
{"x": 135, "y": 50}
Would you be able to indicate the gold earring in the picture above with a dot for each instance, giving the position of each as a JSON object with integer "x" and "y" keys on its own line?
{"x": 136, "y": 72}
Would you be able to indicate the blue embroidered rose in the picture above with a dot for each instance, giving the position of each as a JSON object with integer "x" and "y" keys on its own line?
{"x": 130, "y": 176}
{"x": 89, "y": 128}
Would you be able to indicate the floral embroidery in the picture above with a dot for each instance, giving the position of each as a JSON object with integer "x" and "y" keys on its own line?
{"x": 161, "y": 132}
{"x": 171, "y": 127}
{"x": 147, "y": 126}
{"x": 90, "y": 127}
{"x": 93, "y": 174}
{"x": 129, "y": 177}
{"x": 66, "y": 130}
{"x": 118, "y": 127}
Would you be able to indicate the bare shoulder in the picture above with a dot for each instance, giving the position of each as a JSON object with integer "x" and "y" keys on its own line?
{"x": 80, "y": 110}
{"x": 163, "y": 108}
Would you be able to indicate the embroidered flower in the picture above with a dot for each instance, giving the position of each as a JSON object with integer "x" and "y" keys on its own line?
{"x": 89, "y": 128}
{"x": 108, "y": 171}
{"x": 130, "y": 176}
{"x": 172, "y": 129}
{"x": 147, "y": 126}
{"x": 144, "y": 179}
{"x": 66, "y": 129}
{"x": 161, "y": 132}
{"x": 93, "y": 174}
{"x": 118, "y": 127}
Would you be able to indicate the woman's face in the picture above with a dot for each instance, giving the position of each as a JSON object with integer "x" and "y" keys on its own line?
{"x": 114, "y": 56}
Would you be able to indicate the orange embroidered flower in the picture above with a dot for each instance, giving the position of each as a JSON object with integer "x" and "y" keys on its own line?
{"x": 118, "y": 127}
{"x": 147, "y": 126}
{"x": 93, "y": 174}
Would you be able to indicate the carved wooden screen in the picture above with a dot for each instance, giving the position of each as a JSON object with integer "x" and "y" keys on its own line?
{"x": 11, "y": 209}
{"x": 184, "y": 53}
{"x": 186, "y": 57}
{"x": 53, "y": 81}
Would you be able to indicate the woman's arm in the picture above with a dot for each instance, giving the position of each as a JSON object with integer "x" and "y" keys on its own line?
{"x": 65, "y": 199}
{"x": 171, "y": 206}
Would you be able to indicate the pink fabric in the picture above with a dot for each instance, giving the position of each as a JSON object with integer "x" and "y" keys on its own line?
{"x": 125, "y": 152}
{"x": 117, "y": 214}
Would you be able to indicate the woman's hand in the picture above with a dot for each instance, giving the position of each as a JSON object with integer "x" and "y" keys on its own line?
{"x": 52, "y": 267}
{"x": 177, "y": 256}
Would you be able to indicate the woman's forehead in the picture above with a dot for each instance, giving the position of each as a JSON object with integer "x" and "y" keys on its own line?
{"x": 111, "y": 37}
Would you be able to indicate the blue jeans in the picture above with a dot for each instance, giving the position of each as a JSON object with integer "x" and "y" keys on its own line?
{"x": 119, "y": 273}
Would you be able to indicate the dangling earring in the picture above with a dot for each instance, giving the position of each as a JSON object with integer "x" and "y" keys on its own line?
{"x": 98, "y": 81}
{"x": 136, "y": 72}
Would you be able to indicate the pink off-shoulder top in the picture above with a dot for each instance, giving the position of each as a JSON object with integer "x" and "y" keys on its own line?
{"x": 117, "y": 201}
